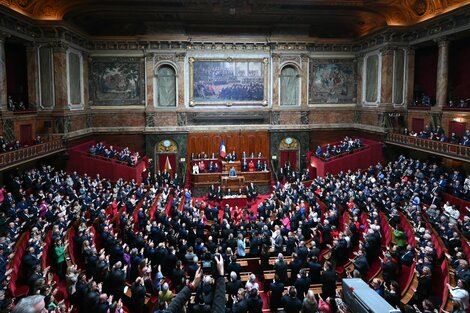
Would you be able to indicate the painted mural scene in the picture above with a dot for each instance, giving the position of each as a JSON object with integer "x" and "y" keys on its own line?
{"x": 332, "y": 82}
{"x": 228, "y": 81}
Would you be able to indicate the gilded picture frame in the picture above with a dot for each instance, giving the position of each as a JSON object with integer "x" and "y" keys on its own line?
{"x": 228, "y": 82}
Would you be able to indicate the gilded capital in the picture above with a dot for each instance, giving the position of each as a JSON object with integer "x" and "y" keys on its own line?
{"x": 442, "y": 42}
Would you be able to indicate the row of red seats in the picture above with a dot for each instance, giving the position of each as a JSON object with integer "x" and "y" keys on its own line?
{"x": 16, "y": 287}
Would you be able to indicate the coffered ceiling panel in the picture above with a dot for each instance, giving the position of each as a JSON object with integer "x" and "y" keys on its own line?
{"x": 315, "y": 18}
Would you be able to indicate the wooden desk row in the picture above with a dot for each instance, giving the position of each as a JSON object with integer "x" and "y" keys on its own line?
{"x": 208, "y": 179}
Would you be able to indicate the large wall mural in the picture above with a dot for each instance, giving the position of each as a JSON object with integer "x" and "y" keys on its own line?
{"x": 228, "y": 81}
{"x": 332, "y": 81}
{"x": 117, "y": 81}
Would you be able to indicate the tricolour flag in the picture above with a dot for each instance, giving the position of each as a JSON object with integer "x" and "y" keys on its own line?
{"x": 222, "y": 151}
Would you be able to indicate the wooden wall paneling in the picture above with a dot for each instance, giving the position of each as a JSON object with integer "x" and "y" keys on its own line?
{"x": 234, "y": 141}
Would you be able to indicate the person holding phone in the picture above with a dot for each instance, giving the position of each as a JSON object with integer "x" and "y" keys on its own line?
{"x": 218, "y": 304}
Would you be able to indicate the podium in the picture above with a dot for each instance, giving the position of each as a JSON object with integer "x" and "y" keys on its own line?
{"x": 226, "y": 166}
{"x": 233, "y": 183}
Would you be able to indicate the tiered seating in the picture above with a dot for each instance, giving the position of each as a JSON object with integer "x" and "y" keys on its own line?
{"x": 16, "y": 285}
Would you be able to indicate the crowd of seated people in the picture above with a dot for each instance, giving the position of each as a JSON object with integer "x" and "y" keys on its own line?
{"x": 439, "y": 135}
{"x": 345, "y": 146}
{"x": 6, "y": 146}
{"x": 229, "y": 157}
{"x": 156, "y": 238}
{"x": 200, "y": 167}
{"x": 125, "y": 155}
{"x": 458, "y": 104}
{"x": 423, "y": 101}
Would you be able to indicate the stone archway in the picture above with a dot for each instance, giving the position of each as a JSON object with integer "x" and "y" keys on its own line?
{"x": 289, "y": 152}
{"x": 166, "y": 152}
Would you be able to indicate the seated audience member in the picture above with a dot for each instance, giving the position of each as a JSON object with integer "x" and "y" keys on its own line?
{"x": 251, "y": 166}
{"x": 318, "y": 152}
{"x": 37, "y": 140}
{"x": 195, "y": 168}
{"x": 202, "y": 167}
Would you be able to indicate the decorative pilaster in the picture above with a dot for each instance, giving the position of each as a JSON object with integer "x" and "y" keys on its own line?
{"x": 59, "y": 57}
{"x": 86, "y": 74}
{"x": 386, "y": 85}
{"x": 410, "y": 75}
{"x": 32, "y": 70}
{"x": 359, "y": 78}
{"x": 304, "y": 68}
{"x": 3, "y": 76}
{"x": 442, "y": 73}
{"x": 276, "y": 73}
{"x": 181, "y": 57}
{"x": 149, "y": 72}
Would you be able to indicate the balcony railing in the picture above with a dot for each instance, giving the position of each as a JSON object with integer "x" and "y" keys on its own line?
{"x": 442, "y": 148}
{"x": 28, "y": 153}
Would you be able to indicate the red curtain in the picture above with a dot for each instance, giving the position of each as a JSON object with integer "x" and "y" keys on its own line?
{"x": 426, "y": 71}
{"x": 459, "y": 70}
{"x": 288, "y": 156}
{"x": 417, "y": 124}
{"x": 162, "y": 160}
{"x": 457, "y": 128}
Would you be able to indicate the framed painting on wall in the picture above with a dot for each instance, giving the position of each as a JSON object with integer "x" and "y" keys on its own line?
{"x": 117, "y": 81}
{"x": 228, "y": 81}
{"x": 332, "y": 81}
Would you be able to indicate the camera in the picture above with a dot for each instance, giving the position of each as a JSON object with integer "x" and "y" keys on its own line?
{"x": 207, "y": 267}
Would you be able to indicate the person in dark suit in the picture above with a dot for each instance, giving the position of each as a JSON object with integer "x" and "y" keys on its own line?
{"x": 423, "y": 290}
{"x": 254, "y": 302}
{"x": 388, "y": 269}
{"x": 302, "y": 284}
{"x": 233, "y": 286}
{"x": 138, "y": 295}
{"x": 192, "y": 267}
{"x": 290, "y": 302}
{"x": 280, "y": 267}
{"x": 360, "y": 263}
{"x": 408, "y": 256}
{"x": 328, "y": 281}
{"x": 277, "y": 289}
{"x": 117, "y": 279}
{"x": 30, "y": 261}
{"x": 233, "y": 266}
{"x": 240, "y": 304}
{"x": 314, "y": 270}
{"x": 91, "y": 297}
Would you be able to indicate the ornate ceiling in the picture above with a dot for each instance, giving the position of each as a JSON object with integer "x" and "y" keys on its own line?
{"x": 314, "y": 18}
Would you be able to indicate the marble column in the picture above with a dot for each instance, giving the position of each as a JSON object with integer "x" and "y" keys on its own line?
{"x": 149, "y": 74}
{"x": 304, "y": 74}
{"x": 386, "y": 84}
{"x": 181, "y": 57}
{"x": 33, "y": 70}
{"x": 86, "y": 75}
{"x": 442, "y": 73}
{"x": 3, "y": 76}
{"x": 59, "y": 57}
{"x": 359, "y": 78}
{"x": 410, "y": 75}
{"x": 275, "y": 83}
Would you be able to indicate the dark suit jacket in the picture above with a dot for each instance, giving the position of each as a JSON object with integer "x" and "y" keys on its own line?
{"x": 281, "y": 271}
{"x": 276, "y": 288}
{"x": 328, "y": 280}
{"x": 291, "y": 305}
